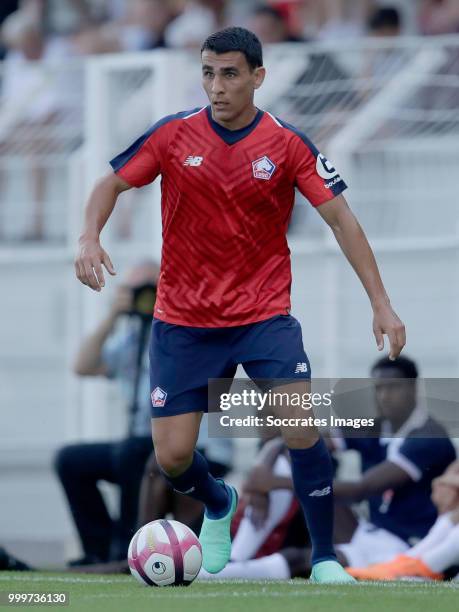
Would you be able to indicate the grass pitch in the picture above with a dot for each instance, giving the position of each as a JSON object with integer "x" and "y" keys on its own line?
{"x": 124, "y": 594}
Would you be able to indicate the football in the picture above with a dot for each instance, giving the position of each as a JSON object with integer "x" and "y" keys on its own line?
{"x": 165, "y": 553}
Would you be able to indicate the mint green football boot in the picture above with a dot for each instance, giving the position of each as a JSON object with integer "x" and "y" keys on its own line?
{"x": 330, "y": 572}
{"x": 215, "y": 537}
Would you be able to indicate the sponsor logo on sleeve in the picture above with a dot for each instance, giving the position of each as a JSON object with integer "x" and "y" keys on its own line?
{"x": 327, "y": 171}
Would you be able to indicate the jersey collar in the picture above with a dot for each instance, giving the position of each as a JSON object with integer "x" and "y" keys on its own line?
{"x": 233, "y": 136}
{"x": 418, "y": 418}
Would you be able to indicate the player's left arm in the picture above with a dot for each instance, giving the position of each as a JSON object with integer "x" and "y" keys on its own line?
{"x": 354, "y": 244}
{"x": 376, "y": 480}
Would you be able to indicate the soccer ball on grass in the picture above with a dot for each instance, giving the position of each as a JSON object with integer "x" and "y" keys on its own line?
{"x": 165, "y": 553}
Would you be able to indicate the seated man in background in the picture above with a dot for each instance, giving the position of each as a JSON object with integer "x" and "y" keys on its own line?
{"x": 438, "y": 553}
{"x": 406, "y": 452}
{"x": 118, "y": 352}
{"x": 398, "y": 467}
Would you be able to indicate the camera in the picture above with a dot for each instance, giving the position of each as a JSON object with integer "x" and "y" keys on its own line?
{"x": 143, "y": 301}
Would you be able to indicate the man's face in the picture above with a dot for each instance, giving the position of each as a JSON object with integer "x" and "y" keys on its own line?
{"x": 268, "y": 29}
{"x": 229, "y": 83}
{"x": 395, "y": 396}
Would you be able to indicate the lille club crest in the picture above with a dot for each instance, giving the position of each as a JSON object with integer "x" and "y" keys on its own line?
{"x": 158, "y": 397}
{"x": 263, "y": 168}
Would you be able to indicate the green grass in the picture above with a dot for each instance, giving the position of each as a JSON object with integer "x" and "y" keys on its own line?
{"x": 124, "y": 594}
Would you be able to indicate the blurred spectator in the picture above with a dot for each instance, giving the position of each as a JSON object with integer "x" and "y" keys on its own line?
{"x": 119, "y": 353}
{"x": 399, "y": 463}
{"x": 381, "y": 64}
{"x": 336, "y": 19}
{"x": 198, "y": 19}
{"x": 269, "y": 25}
{"x": 385, "y": 22}
{"x": 36, "y": 96}
{"x": 6, "y": 8}
{"x": 439, "y": 17}
{"x": 436, "y": 556}
{"x": 141, "y": 27}
{"x": 318, "y": 94}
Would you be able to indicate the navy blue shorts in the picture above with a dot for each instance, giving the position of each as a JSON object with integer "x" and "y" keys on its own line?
{"x": 182, "y": 359}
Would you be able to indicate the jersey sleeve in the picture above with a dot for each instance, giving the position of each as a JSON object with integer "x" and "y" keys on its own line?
{"x": 314, "y": 175}
{"x": 420, "y": 457}
{"x": 141, "y": 163}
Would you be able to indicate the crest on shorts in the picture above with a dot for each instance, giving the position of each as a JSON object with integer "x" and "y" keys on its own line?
{"x": 158, "y": 397}
{"x": 263, "y": 168}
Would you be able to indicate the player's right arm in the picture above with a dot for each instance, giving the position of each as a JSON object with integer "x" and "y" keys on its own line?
{"x": 137, "y": 166}
{"x": 91, "y": 256}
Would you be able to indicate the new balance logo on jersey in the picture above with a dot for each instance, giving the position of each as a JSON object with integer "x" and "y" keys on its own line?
{"x": 263, "y": 168}
{"x": 192, "y": 160}
{"x": 301, "y": 367}
{"x": 158, "y": 397}
{"x": 320, "y": 492}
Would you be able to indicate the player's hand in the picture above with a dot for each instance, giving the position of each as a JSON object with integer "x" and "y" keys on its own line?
{"x": 444, "y": 496}
{"x": 259, "y": 480}
{"x": 89, "y": 261}
{"x": 257, "y": 509}
{"x": 122, "y": 304}
{"x": 386, "y": 321}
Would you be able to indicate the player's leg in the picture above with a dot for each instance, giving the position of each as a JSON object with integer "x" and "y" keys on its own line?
{"x": 429, "y": 559}
{"x": 184, "y": 467}
{"x": 155, "y": 495}
{"x": 182, "y": 359}
{"x": 274, "y": 351}
{"x": 187, "y": 471}
{"x": 79, "y": 468}
{"x": 271, "y": 567}
{"x": 312, "y": 475}
{"x": 248, "y": 538}
{"x": 129, "y": 459}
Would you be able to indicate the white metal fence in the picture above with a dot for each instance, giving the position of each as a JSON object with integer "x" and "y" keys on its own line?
{"x": 386, "y": 113}
{"x": 41, "y": 124}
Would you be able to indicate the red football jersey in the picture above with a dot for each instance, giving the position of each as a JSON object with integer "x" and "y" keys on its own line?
{"x": 227, "y": 198}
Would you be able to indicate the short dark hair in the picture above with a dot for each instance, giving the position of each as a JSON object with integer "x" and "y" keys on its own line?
{"x": 236, "y": 39}
{"x": 404, "y": 365}
{"x": 385, "y": 17}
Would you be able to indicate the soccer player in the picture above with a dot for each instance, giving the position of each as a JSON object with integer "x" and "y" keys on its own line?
{"x": 229, "y": 172}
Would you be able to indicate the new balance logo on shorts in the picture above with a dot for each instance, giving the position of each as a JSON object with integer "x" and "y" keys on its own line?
{"x": 301, "y": 366}
{"x": 320, "y": 492}
{"x": 190, "y": 490}
{"x": 192, "y": 160}
{"x": 158, "y": 397}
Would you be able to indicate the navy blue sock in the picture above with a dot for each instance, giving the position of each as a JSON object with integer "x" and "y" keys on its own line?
{"x": 198, "y": 483}
{"x": 312, "y": 475}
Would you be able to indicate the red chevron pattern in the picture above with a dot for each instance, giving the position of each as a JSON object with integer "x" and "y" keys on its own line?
{"x": 225, "y": 258}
